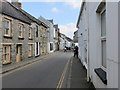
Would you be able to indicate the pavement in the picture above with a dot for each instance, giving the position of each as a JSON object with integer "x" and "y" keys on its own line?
{"x": 77, "y": 75}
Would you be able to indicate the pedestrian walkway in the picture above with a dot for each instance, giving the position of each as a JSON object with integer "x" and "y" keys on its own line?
{"x": 10, "y": 67}
{"x": 77, "y": 77}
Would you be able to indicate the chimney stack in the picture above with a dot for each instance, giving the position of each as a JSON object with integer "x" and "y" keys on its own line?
{"x": 16, "y": 3}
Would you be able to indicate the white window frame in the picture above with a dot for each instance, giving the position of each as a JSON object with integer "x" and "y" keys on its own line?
{"x": 37, "y": 43}
{"x": 102, "y": 38}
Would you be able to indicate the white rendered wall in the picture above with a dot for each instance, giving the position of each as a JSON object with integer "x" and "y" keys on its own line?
{"x": 112, "y": 44}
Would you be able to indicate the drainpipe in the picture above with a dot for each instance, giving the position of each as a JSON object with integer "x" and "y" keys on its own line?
{"x": 88, "y": 71}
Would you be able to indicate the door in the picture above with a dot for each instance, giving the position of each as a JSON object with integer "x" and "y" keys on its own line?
{"x": 18, "y": 53}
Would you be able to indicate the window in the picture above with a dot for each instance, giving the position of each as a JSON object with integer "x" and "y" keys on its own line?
{"x": 30, "y": 33}
{"x": 6, "y": 54}
{"x": 51, "y": 46}
{"x": 7, "y": 27}
{"x": 37, "y": 48}
{"x": 103, "y": 38}
{"x": 30, "y": 50}
{"x": 21, "y": 29}
{"x": 37, "y": 31}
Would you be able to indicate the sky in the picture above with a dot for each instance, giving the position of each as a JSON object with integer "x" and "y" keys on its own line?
{"x": 64, "y": 13}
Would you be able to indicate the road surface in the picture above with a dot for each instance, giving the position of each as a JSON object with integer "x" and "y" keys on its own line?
{"x": 46, "y": 73}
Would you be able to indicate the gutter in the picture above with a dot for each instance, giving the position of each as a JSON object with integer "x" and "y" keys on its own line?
{"x": 83, "y": 3}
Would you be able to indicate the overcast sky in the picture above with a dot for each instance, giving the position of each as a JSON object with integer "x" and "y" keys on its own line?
{"x": 65, "y": 14}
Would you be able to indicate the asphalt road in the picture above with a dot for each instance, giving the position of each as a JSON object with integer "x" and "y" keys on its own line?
{"x": 42, "y": 74}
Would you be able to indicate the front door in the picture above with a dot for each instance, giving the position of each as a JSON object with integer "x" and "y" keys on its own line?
{"x": 18, "y": 53}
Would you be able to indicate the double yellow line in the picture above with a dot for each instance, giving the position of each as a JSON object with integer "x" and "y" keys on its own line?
{"x": 62, "y": 76}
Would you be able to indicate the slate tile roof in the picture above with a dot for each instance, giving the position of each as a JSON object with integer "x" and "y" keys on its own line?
{"x": 9, "y": 10}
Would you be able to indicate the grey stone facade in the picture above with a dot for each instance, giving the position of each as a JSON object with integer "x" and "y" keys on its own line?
{"x": 14, "y": 40}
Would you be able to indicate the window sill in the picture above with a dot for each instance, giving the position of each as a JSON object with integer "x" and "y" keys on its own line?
{"x": 6, "y": 63}
{"x": 7, "y": 36}
{"x": 30, "y": 56}
{"x": 102, "y": 75}
{"x": 21, "y": 38}
{"x": 37, "y": 55}
{"x": 30, "y": 39}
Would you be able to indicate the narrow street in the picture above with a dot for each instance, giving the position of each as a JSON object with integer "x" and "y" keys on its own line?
{"x": 42, "y": 74}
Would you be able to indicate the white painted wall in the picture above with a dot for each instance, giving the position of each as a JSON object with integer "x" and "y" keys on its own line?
{"x": 51, "y": 35}
{"x": 112, "y": 44}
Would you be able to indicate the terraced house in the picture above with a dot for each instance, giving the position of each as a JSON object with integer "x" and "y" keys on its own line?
{"x": 20, "y": 34}
{"x": 43, "y": 36}
{"x": 15, "y": 34}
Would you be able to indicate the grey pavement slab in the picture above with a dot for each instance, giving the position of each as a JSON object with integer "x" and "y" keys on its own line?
{"x": 77, "y": 76}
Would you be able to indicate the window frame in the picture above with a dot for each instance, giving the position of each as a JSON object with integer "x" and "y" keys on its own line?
{"x": 30, "y": 50}
{"x": 8, "y": 51}
{"x": 22, "y": 30}
{"x": 9, "y": 27}
{"x": 37, "y": 30}
{"x": 102, "y": 38}
{"x": 30, "y": 32}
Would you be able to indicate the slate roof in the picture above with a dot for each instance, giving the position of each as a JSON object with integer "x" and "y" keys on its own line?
{"x": 9, "y": 10}
{"x": 44, "y": 21}
{"x": 56, "y": 26}
{"x": 51, "y": 21}
{"x": 31, "y": 17}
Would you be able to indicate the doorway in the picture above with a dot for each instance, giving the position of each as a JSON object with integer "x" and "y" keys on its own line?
{"x": 18, "y": 53}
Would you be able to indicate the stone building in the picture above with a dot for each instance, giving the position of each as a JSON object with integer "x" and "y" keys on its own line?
{"x": 35, "y": 25}
{"x": 75, "y": 37}
{"x": 57, "y": 37}
{"x": 43, "y": 35}
{"x": 21, "y": 37}
{"x": 16, "y": 28}
{"x": 98, "y": 38}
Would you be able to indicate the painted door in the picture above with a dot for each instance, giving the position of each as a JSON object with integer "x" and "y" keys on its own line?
{"x": 18, "y": 53}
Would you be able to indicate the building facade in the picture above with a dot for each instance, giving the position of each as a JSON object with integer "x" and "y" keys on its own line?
{"x": 15, "y": 37}
{"x": 98, "y": 34}
{"x": 62, "y": 41}
{"x": 51, "y": 34}
{"x": 57, "y": 37}
{"x": 21, "y": 37}
{"x": 43, "y": 36}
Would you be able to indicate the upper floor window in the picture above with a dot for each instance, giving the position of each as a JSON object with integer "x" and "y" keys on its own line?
{"x": 21, "y": 30}
{"x": 103, "y": 37}
{"x": 7, "y": 27}
{"x": 37, "y": 31}
{"x": 30, "y": 33}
